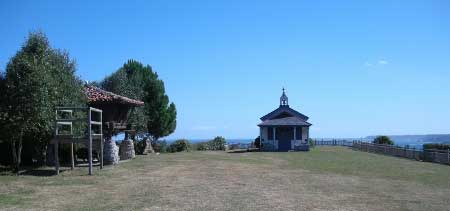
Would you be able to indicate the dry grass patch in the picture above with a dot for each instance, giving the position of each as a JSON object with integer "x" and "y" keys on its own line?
{"x": 323, "y": 179}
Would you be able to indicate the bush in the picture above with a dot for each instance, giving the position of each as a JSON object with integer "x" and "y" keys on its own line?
{"x": 257, "y": 142}
{"x": 383, "y": 140}
{"x": 200, "y": 146}
{"x": 179, "y": 146}
{"x": 160, "y": 146}
{"x": 139, "y": 146}
{"x": 218, "y": 143}
{"x": 436, "y": 146}
{"x": 311, "y": 142}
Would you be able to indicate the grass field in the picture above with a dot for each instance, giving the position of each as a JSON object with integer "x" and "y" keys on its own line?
{"x": 327, "y": 178}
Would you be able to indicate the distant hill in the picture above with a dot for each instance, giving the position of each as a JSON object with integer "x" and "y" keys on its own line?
{"x": 419, "y": 139}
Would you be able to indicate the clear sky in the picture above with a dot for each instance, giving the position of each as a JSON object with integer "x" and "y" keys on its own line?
{"x": 356, "y": 68}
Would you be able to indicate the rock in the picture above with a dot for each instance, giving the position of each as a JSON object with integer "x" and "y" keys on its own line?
{"x": 110, "y": 152}
{"x": 127, "y": 150}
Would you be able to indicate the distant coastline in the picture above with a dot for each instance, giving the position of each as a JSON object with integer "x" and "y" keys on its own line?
{"x": 415, "y": 141}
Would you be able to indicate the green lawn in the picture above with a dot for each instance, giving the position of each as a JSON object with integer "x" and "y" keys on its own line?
{"x": 327, "y": 178}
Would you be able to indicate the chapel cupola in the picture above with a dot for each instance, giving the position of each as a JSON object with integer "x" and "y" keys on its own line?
{"x": 284, "y": 99}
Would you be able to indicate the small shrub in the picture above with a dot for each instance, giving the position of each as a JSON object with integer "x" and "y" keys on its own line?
{"x": 257, "y": 142}
{"x": 179, "y": 146}
{"x": 311, "y": 142}
{"x": 201, "y": 146}
{"x": 218, "y": 143}
{"x": 383, "y": 140}
{"x": 139, "y": 147}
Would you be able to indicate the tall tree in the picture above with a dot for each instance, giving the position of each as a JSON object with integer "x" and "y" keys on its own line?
{"x": 161, "y": 113}
{"x": 157, "y": 118}
{"x": 38, "y": 78}
{"x": 129, "y": 81}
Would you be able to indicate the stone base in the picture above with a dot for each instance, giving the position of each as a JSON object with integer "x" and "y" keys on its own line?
{"x": 148, "y": 147}
{"x": 127, "y": 150}
{"x": 110, "y": 152}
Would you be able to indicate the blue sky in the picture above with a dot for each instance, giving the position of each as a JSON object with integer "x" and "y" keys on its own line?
{"x": 356, "y": 68}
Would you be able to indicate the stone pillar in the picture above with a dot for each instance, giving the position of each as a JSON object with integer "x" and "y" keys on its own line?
{"x": 148, "y": 147}
{"x": 260, "y": 138}
{"x": 274, "y": 129}
{"x": 295, "y": 133}
{"x": 127, "y": 150}
{"x": 295, "y": 138}
{"x": 110, "y": 152}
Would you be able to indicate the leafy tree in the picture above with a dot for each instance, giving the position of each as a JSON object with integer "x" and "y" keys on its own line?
{"x": 157, "y": 118}
{"x": 37, "y": 79}
{"x": 383, "y": 140}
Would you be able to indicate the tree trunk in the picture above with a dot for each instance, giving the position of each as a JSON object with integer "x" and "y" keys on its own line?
{"x": 42, "y": 154}
{"x": 17, "y": 152}
{"x": 14, "y": 155}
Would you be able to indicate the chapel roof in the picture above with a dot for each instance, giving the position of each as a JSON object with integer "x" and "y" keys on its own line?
{"x": 286, "y": 121}
{"x": 284, "y": 109}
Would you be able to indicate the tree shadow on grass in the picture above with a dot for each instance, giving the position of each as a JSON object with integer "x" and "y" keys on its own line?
{"x": 28, "y": 171}
{"x": 40, "y": 172}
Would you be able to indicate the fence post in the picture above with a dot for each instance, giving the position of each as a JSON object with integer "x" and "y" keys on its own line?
{"x": 434, "y": 156}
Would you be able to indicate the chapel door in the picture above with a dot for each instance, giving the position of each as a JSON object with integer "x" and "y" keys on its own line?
{"x": 284, "y": 139}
